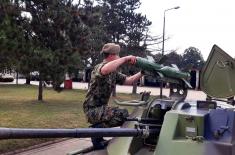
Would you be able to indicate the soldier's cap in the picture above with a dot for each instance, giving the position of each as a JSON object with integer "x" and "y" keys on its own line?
{"x": 111, "y": 48}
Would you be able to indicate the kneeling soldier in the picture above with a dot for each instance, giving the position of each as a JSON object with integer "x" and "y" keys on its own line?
{"x": 104, "y": 77}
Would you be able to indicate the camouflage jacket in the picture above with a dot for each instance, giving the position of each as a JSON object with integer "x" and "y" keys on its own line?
{"x": 101, "y": 87}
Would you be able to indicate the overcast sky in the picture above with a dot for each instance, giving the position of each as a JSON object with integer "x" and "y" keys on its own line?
{"x": 197, "y": 23}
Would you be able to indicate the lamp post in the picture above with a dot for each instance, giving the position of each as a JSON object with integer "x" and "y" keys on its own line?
{"x": 163, "y": 40}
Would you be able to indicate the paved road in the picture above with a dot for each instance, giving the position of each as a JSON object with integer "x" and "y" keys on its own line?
{"x": 192, "y": 94}
{"x": 64, "y": 147}
{"x": 60, "y": 148}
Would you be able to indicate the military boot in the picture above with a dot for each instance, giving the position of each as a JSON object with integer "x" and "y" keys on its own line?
{"x": 98, "y": 142}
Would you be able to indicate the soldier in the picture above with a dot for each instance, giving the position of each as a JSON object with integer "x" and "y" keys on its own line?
{"x": 104, "y": 77}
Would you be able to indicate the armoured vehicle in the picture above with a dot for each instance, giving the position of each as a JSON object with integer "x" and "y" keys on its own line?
{"x": 169, "y": 125}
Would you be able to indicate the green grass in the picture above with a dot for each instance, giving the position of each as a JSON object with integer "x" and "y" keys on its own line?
{"x": 19, "y": 108}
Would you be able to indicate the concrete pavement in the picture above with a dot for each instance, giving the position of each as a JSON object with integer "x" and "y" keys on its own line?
{"x": 60, "y": 148}
{"x": 192, "y": 94}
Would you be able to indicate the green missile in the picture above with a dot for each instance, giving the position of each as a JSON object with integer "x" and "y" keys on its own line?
{"x": 163, "y": 71}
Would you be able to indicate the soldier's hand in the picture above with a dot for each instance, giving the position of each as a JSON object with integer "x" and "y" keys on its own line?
{"x": 131, "y": 59}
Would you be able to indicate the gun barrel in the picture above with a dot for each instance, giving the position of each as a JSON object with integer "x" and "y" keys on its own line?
{"x": 22, "y": 133}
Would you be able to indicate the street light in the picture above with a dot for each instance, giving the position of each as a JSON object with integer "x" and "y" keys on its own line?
{"x": 163, "y": 40}
{"x": 163, "y": 34}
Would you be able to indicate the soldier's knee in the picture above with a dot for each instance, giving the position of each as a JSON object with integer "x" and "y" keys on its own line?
{"x": 122, "y": 113}
{"x": 94, "y": 115}
{"x": 125, "y": 113}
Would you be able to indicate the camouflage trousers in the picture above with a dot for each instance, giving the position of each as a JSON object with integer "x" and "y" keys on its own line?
{"x": 106, "y": 116}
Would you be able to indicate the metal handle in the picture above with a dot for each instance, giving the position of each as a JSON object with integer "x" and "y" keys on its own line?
{"x": 130, "y": 103}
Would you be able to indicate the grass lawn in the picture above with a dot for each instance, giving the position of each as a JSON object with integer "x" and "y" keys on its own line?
{"x": 19, "y": 108}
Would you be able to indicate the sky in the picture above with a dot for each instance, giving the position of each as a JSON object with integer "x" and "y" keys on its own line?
{"x": 197, "y": 23}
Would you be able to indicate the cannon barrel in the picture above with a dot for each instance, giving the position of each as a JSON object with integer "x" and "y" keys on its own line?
{"x": 165, "y": 70}
{"x": 21, "y": 133}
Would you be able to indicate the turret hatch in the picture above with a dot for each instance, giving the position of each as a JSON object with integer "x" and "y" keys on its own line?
{"x": 218, "y": 74}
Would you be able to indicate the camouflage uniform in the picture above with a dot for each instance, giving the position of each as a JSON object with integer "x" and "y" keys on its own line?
{"x": 96, "y": 106}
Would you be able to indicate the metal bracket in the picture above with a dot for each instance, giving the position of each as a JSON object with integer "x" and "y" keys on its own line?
{"x": 178, "y": 92}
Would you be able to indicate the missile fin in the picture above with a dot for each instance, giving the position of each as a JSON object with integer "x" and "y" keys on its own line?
{"x": 161, "y": 75}
{"x": 175, "y": 66}
{"x": 187, "y": 83}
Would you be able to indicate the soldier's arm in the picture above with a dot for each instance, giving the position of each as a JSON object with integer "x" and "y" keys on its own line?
{"x": 113, "y": 65}
{"x": 131, "y": 79}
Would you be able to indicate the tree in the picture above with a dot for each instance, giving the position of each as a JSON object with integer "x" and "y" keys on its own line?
{"x": 122, "y": 23}
{"x": 15, "y": 43}
{"x": 96, "y": 35}
{"x": 192, "y": 58}
{"x": 51, "y": 42}
{"x": 173, "y": 58}
{"x": 113, "y": 21}
{"x": 11, "y": 35}
{"x": 58, "y": 35}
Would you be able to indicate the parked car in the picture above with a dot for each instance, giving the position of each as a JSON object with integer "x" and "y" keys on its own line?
{"x": 6, "y": 78}
{"x": 34, "y": 76}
